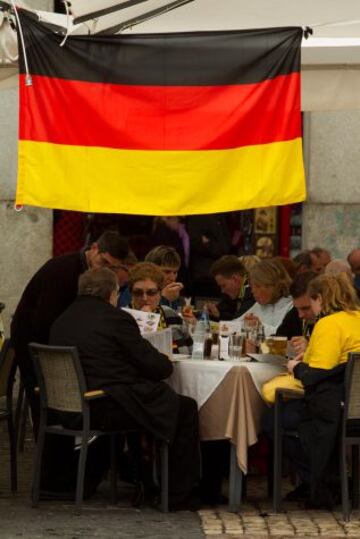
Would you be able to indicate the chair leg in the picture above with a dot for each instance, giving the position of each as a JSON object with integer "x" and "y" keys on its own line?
{"x": 164, "y": 476}
{"x": 13, "y": 453}
{"x": 113, "y": 468}
{"x": 344, "y": 483}
{"x": 19, "y": 407}
{"x": 277, "y": 469}
{"x": 235, "y": 482}
{"x": 37, "y": 465}
{"x": 81, "y": 473}
{"x": 355, "y": 476}
{"x": 23, "y": 422}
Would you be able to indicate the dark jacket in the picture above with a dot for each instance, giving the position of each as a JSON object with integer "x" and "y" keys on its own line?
{"x": 233, "y": 308}
{"x": 48, "y": 293}
{"x": 202, "y": 255}
{"x": 118, "y": 360}
{"x": 319, "y": 427}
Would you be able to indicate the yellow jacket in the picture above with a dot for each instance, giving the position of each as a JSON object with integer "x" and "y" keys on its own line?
{"x": 333, "y": 337}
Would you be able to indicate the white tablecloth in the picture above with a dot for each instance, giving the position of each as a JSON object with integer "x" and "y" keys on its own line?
{"x": 198, "y": 378}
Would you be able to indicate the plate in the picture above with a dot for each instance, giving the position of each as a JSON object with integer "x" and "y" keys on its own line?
{"x": 177, "y": 357}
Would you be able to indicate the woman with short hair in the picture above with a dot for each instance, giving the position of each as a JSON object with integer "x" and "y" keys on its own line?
{"x": 146, "y": 281}
{"x": 270, "y": 284}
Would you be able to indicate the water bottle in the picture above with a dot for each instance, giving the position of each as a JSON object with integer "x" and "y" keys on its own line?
{"x": 202, "y": 328}
{"x": 198, "y": 337}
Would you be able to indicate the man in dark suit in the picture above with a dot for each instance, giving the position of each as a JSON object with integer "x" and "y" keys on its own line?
{"x": 230, "y": 275}
{"x": 116, "y": 359}
{"x": 49, "y": 292}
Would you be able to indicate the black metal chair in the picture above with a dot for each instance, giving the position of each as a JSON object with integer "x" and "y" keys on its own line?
{"x": 281, "y": 396}
{"x": 63, "y": 388}
{"x": 7, "y": 373}
{"x": 350, "y": 434}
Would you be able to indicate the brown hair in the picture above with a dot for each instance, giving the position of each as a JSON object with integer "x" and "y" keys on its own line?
{"x": 227, "y": 266}
{"x": 270, "y": 272}
{"x": 163, "y": 255}
{"x": 100, "y": 282}
{"x": 249, "y": 261}
{"x": 146, "y": 270}
{"x": 336, "y": 291}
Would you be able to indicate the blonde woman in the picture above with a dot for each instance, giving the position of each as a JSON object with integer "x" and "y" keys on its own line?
{"x": 321, "y": 371}
{"x": 270, "y": 284}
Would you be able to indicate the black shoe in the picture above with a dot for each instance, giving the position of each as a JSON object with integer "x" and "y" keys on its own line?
{"x": 302, "y": 492}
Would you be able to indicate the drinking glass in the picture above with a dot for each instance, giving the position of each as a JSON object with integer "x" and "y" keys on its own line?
{"x": 236, "y": 346}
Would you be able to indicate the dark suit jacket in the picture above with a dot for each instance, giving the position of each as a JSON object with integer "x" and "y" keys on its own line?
{"x": 118, "y": 360}
{"x": 48, "y": 293}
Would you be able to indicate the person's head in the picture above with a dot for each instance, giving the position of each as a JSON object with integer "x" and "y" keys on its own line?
{"x": 321, "y": 257}
{"x": 249, "y": 261}
{"x": 289, "y": 265}
{"x": 269, "y": 281}
{"x": 354, "y": 261}
{"x": 111, "y": 251}
{"x": 301, "y": 299}
{"x": 168, "y": 259}
{"x": 303, "y": 262}
{"x": 229, "y": 274}
{"x": 145, "y": 283}
{"x": 332, "y": 293}
{"x": 99, "y": 282}
{"x": 337, "y": 266}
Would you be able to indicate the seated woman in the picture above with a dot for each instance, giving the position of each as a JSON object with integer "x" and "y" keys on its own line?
{"x": 270, "y": 284}
{"x": 146, "y": 281}
{"x": 321, "y": 371}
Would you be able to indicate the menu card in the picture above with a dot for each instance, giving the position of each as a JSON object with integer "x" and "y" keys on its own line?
{"x": 147, "y": 322}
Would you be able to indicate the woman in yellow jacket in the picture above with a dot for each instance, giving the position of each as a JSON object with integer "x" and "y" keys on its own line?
{"x": 321, "y": 371}
{"x": 337, "y": 333}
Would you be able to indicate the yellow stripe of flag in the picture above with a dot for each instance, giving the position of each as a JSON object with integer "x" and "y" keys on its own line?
{"x": 157, "y": 182}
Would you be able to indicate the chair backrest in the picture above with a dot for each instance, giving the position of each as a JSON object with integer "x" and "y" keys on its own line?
{"x": 6, "y": 365}
{"x": 60, "y": 377}
{"x": 352, "y": 387}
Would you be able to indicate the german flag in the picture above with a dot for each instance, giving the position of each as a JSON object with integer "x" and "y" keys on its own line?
{"x": 160, "y": 124}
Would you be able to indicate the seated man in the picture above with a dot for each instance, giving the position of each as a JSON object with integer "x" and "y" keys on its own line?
{"x": 231, "y": 276}
{"x": 116, "y": 359}
{"x": 298, "y": 323}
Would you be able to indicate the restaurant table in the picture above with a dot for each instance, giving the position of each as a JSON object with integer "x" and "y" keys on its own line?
{"x": 230, "y": 406}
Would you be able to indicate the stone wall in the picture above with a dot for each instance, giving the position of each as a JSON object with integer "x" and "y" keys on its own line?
{"x": 26, "y": 237}
{"x": 331, "y": 216}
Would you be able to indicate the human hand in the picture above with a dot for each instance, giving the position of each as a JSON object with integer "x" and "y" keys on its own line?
{"x": 213, "y": 310}
{"x": 291, "y": 364}
{"x": 299, "y": 344}
{"x": 171, "y": 291}
{"x": 205, "y": 240}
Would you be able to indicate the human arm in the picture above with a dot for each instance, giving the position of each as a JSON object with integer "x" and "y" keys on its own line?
{"x": 140, "y": 353}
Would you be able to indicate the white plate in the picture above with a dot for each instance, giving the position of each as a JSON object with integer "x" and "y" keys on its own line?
{"x": 177, "y": 357}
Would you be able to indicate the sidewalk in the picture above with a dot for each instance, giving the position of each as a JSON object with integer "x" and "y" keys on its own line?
{"x": 99, "y": 519}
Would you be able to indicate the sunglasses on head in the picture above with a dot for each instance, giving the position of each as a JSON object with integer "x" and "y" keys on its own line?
{"x": 138, "y": 292}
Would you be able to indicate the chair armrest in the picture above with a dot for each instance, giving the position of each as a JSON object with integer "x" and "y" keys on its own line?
{"x": 95, "y": 394}
{"x": 289, "y": 394}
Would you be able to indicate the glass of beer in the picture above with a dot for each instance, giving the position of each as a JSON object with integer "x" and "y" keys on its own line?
{"x": 277, "y": 345}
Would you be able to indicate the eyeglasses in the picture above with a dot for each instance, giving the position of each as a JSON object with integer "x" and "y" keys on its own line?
{"x": 113, "y": 267}
{"x": 138, "y": 293}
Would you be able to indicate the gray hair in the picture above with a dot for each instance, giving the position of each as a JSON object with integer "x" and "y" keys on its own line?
{"x": 99, "y": 282}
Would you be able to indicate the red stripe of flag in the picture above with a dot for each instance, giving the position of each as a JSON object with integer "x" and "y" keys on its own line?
{"x": 161, "y": 118}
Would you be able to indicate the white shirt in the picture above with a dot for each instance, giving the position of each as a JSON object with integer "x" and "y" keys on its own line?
{"x": 270, "y": 315}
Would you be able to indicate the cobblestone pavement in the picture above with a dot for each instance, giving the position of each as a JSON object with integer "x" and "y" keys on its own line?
{"x": 99, "y": 519}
